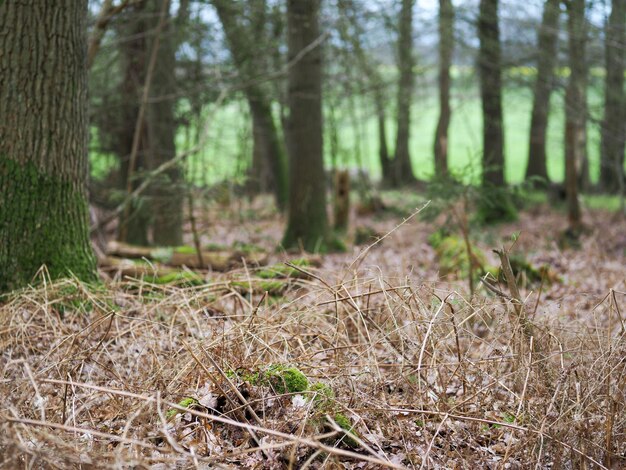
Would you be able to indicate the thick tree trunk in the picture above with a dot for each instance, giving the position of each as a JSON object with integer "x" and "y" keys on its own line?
{"x": 489, "y": 66}
{"x": 167, "y": 191}
{"x": 269, "y": 160}
{"x": 43, "y": 141}
{"x": 614, "y": 126}
{"x": 547, "y": 50}
{"x": 446, "y": 47}
{"x": 402, "y": 172}
{"x": 307, "y": 224}
{"x": 575, "y": 108}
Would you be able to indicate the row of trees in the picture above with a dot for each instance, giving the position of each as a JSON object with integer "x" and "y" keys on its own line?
{"x": 254, "y": 34}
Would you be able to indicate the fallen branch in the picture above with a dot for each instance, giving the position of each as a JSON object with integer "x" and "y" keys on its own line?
{"x": 169, "y": 256}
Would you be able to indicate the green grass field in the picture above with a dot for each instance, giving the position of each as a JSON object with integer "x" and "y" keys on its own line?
{"x": 228, "y": 148}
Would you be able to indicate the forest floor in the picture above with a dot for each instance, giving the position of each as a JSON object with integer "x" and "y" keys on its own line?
{"x": 365, "y": 359}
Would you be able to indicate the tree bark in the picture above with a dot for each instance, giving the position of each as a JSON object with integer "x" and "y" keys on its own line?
{"x": 446, "y": 47}
{"x": 156, "y": 216}
{"x": 269, "y": 161}
{"x": 613, "y": 128}
{"x": 134, "y": 52}
{"x": 401, "y": 166}
{"x": 575, "y": 108}
{"x": 307, "y": 224}
{"x": 547, "y": 53}
{"x": 489, "y": 66}
{"x": 167, "y": 191}
{"x": 43, "y": 141}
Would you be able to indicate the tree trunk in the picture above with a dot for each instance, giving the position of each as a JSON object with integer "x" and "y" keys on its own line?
{"x": 307, "y": 224}
{"x": 402, "y": 170}
{"x": 259, "y": 177}
{"x": 167, "y": 191}
{"x": 613, "y": 128}
{"x": 348, "y": 9}
{"x": 446, "y": 47}
{"x": 489, "y": 67}
{"x": 134, "y": 52}
{"x": 575, "y": 118}
{"x": 267, "y": 142}
{"x": 383, "y": 149}
{"x": 547, "y": 53}
{"x": 157, "y": 215}
{"x": 269, "y": 161}
{"x": 43, "y": 141}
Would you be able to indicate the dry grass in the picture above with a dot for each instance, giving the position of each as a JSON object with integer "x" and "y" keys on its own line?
{"x": 429, "y": 377}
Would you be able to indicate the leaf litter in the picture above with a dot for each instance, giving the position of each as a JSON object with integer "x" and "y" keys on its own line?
{"x": 403, "y": 369}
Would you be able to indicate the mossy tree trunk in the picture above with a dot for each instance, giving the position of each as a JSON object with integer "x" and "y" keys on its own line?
{"x": 547, "y": 53}
{"x": 575, "y": 109}
{"x": 490, "y": 74}
{"x": 43, "y": 141}
{"x": 244, "y": 39}
{"x": 614, "y": 126}
{"x": 402, "y": 171}
{"x": 307, "y": 224}
{"x": 446, "y": 47}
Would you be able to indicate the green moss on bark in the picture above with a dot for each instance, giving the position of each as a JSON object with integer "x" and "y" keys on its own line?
{"x": 43, "y": 221}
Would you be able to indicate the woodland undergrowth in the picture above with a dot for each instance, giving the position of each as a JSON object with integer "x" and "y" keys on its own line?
{"x": 395, "y": 372}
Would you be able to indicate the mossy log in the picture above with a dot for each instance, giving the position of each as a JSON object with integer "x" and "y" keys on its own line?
{"x": 186, "y": 256}
{"x": 155, "y": 273}
{"x": 134, "y": 268}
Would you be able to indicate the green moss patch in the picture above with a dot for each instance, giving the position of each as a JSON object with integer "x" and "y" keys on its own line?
{"x": 284, "y": 379}
{"x": 187, "y": 402}
{"x": 259, "y": 286}
{"x": 280, "y": 270}
{"x": 186, "y": 250}
{"x": 453, "y": 257}
{"x": 344, "y": 423}
{"x": 281, "y": 378}
{"x": 323, "y": 396}
{"x": 178, "y": 278}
